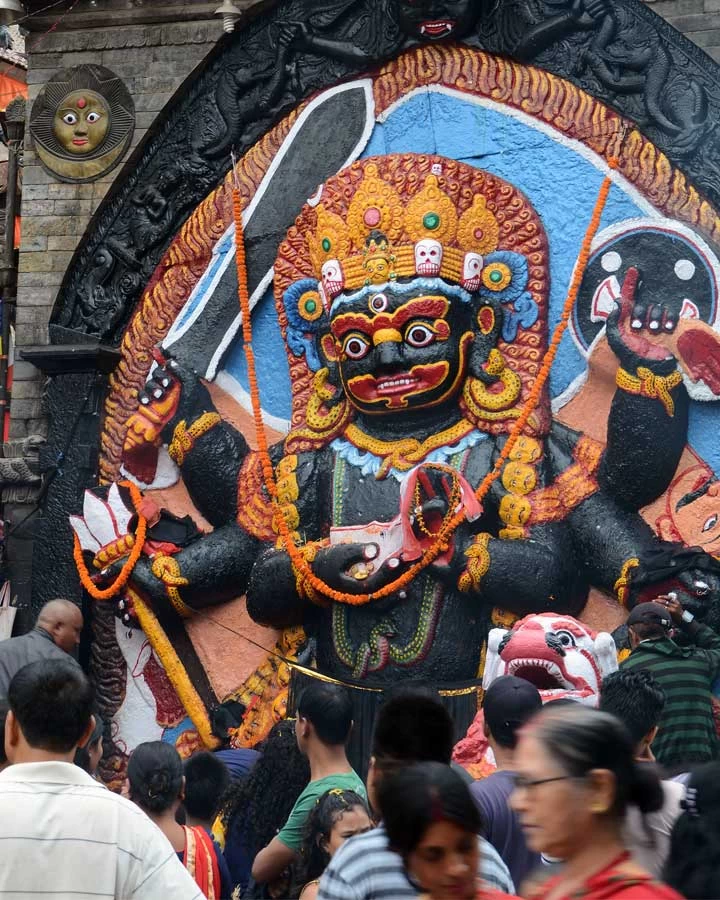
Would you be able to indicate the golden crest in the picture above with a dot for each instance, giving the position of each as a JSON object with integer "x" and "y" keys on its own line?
{"x": 478, "y": 230}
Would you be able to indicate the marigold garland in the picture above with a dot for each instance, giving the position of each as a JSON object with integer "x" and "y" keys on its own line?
{"x": 442, "y": 541}
{"x": 124, "y": 575}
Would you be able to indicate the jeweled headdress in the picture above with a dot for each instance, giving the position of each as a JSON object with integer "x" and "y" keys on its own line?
{"x": 402, "y": 217}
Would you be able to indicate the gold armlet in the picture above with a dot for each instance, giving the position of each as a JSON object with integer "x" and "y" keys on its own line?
{"x": 167, "y": 570}
{"x": 184, "y": 438}
{"x": 478, "y": 563}
{"x": 647, "y": 384}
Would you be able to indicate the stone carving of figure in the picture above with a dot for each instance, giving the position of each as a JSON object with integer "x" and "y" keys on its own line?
{"x": 414, "y": 300}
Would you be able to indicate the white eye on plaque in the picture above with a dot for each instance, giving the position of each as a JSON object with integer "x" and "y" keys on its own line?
{"x": 684, "y": 269}
{"x": 610, "y": 261}
{"x": 378, "y": 303}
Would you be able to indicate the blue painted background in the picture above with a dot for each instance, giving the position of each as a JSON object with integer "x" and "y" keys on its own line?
{"x": 559, "y": 182}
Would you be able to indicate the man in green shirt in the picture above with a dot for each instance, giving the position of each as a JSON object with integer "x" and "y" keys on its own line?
{"x": 686, "y": 731}
{"x": 324, "y": 721}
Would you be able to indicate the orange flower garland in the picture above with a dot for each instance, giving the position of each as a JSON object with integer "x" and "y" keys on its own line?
{"x": 124, "y": 575}
{"x": 441, "y": 543}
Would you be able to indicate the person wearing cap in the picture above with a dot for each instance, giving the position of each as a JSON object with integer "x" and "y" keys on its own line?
{"x": 686, "y": 731}
{"x": 508, "y": 704}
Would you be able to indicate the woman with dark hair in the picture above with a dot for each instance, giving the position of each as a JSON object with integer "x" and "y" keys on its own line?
{"x": 89, "y": 756}
{"x": 336, "y": 817}
{"x": 157, "y": 785}
{"x": 575, "y": 777}
{"x": 432, "y": 822}
{"x": 693, "y": 866}
{"x": 256, "y": 807}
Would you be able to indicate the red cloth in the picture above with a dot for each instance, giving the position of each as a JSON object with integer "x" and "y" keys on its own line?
{"x": 201, "y": 862}
{"x": 615, "y": 881}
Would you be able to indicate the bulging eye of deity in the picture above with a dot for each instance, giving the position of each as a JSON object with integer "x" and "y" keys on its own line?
{"x": 428, "y": 257}
{"x": 81, "y": 122}
{"x": 419, "y": 335}
{"x": 356, "y": 346}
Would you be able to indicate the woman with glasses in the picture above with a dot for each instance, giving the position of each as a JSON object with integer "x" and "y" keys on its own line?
{"x": 432, "y": 822}
{"x": 575, "y": 777}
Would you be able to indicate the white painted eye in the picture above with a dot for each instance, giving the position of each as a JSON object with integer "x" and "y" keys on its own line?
{"x": 566, "y": 638}
{"x": 355, "y": 346}
{"x": 93, "y": 117}
{"x": 710, "y": 523}
{"x": 684, "y": 269}
{"x": 419, "y": 336}
{"x": 611, "y": 261}
{"x": 379, "y": 303}
{"x": 70, "y": 118}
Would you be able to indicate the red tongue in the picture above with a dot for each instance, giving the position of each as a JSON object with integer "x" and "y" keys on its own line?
{"x": 700, "y": 353}
{"x": 141, "y": 462}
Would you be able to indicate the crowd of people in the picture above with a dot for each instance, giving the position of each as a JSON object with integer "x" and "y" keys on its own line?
{"x": 617, "y": 802}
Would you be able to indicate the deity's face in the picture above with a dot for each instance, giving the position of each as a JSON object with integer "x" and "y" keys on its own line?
{"x": 81, "y": 122}
{"x": 400, "y": 350}
{"x": 436, "y": 19}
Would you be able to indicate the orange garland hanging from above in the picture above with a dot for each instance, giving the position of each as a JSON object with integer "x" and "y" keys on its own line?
{"x": 442, "y": 539}
{"x": 124, "y": 575}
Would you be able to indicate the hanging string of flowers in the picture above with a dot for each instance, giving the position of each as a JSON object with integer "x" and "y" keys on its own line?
{"x": 124, "y": 575}
{"x": 442, "y": 538}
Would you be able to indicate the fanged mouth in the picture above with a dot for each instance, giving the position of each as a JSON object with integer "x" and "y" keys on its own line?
{"x": 545, "y": 675}
{"x": 437, "y": 29}
{"x": 397, "y": 385}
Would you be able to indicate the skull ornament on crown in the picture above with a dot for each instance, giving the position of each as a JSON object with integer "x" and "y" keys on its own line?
{"x": 428, "y": 257}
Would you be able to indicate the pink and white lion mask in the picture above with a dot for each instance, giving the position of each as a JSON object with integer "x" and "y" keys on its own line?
{"x": 561, "y": 656}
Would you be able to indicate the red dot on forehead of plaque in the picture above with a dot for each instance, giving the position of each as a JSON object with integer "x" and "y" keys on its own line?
{"x": 82, "y": 103}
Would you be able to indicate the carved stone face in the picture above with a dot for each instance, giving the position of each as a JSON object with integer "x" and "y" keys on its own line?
{"x": 81, "y": 122}
{"x": 432, "y": 20}
{"x": 401, "y": 351}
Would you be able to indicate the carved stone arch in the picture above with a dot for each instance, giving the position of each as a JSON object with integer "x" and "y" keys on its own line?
{"x": 621, "y": 53}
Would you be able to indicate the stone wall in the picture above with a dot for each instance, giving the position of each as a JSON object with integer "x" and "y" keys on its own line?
{"x": 153, "y": 60}
{"x": 698, "y": 20}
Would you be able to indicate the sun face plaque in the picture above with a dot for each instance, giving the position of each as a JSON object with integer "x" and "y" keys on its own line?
{"x": 82, "y": 123}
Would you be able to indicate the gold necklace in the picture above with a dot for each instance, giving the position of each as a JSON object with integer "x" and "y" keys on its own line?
{"x": 405, "y": 453}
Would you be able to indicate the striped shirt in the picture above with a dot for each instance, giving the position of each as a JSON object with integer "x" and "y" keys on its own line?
{"x": 687, "y": 731}
{"x": 365, "y": 868}
{"x": 64, "y": 836}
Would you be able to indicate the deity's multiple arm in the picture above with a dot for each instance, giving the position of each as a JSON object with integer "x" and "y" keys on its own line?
{"x": 648, "y": 421}
{"x": 208, "y": 572}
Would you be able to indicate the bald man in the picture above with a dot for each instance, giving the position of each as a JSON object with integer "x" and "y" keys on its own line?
{"x": 55, "y": 636}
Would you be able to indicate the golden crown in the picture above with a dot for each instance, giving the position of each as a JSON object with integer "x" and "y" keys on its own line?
{"x": 384, "y": 237}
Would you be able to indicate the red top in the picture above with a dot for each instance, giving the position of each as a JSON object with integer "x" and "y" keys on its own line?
{"x": 614, "y": 881}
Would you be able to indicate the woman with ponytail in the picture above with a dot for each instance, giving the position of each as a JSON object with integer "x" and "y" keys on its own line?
{"x": 693, "y": 866}
{"x": 575, "y": 777}
{"x": 156, "y": 784}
